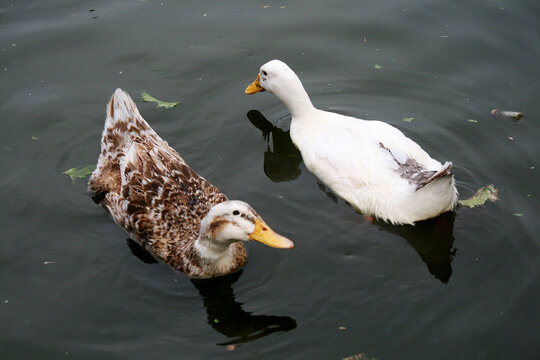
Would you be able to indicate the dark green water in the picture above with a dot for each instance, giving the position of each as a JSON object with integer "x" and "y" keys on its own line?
{"x": 464, "y": 287}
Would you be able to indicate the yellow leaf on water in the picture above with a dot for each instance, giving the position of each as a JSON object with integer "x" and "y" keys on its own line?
{"x": 483, "y": 194}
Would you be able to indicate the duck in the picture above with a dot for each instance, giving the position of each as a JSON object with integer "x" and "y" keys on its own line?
{"x": 167, "y": 207}
{"x": 372, "y": 165}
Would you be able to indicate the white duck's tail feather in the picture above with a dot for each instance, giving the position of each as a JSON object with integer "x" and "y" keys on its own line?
{"x": 446, "y": 170}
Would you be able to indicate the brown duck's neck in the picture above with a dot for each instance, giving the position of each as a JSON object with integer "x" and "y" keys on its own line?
{"x": 209, "y": 258}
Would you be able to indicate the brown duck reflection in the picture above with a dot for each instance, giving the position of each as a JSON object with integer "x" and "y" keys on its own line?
{"x": 227, "y": 317}
{"x": 224, "y": 313}
{"x": 432, "y": 239}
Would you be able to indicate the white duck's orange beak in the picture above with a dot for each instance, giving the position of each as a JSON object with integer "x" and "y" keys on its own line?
{"x": 255, "y": 87}
{"x": 267, "y": 236}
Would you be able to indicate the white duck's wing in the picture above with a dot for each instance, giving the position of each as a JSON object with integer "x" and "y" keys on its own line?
{"x": 406, "y": 157}
{"x": 353, "y": 153}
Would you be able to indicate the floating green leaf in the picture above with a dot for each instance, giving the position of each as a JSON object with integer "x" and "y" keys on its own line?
{"x": 518, "y": 214}
{"x": 472, "y": 121}
{"x": 378, "y": 67}
{"x": 167, "y": 105}
{"x": 79, "y": 173}
{"x": 482, "y": 195}
{"x": 410, "y": 119}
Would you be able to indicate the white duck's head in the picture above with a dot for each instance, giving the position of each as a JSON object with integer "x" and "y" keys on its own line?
{"x": 278, "y": 78}
{"x": 235, "y": 220}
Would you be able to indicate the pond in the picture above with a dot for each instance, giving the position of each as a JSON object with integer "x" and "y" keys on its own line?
{"x": 464, "y": 286}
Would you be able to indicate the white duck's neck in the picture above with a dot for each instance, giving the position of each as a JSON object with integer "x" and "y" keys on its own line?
{"x": 295, "y": 97}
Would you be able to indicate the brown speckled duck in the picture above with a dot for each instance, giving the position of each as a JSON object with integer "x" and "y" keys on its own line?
{"x": 167, "y": 207}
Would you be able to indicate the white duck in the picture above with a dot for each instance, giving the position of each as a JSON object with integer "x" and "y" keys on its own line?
{"x": 167, "y": 207}
{"x": 370, "y": 164}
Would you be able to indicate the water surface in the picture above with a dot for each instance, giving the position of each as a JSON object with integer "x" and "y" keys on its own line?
{"x": 464, "y": 286}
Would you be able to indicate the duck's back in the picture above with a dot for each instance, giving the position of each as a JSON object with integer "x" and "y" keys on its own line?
{"x": 147, "y": 187}
{"x": 375, "y": 167}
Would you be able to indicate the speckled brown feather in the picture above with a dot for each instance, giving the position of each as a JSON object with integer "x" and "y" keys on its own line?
{"x": 151, "y": 192}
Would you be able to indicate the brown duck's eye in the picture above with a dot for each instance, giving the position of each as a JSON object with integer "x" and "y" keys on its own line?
{"x": 236, "y": 212}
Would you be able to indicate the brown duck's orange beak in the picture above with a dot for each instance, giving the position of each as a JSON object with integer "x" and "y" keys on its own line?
{"x": 255, "y": 87}
{"x": 267, "y": 236}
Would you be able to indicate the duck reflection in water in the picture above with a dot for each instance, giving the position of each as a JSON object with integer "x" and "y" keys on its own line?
{"x": 224, "y": 313}
{"x": 433, "y": 239}
{"x": 281, "y": 158}
{"x": 227, "y": 317}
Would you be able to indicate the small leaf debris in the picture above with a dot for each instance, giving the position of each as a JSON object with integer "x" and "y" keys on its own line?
{"x": 408, "y": 119}
{"x": 483, "y": 194}
{"x": 358, "y": 357}
{"x": 149, "y": 98}
{"x": 79, "y": 173}
{"x": 377, "y": 67}
{"x": 503, "y": 113}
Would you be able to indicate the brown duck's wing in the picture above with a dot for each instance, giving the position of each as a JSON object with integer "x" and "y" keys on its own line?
{"x": 164, "y": 200}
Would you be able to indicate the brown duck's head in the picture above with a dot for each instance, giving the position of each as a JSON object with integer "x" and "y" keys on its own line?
{"x": 234, "y": 220}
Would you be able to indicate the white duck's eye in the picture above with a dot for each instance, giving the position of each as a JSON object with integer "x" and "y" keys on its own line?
{"x": 264, "y": 73}
{"x": 236, "y": 212}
